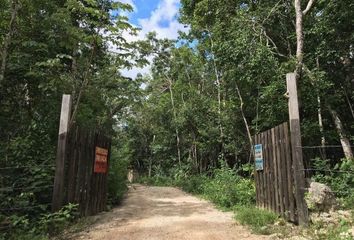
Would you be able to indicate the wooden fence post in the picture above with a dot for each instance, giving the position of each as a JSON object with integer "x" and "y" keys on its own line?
{"x": 59, "y": 180}
{"x": 296, "y": 146}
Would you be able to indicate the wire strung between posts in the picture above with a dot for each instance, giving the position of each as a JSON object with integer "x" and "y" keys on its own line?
{"x": 347, "y": 191}
{"x": 4, "y": 228}
{"x": 17, "y": 167}
{"x": 28, "y": 207}
{"x": 322, "y": 170}
{"x": 327, "y": 146}
{"x": 8, "y": 189}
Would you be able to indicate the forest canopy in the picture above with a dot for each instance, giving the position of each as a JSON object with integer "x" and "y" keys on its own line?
{"x": 207, "y": 94}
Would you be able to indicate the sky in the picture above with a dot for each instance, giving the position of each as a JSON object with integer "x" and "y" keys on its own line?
{"x": 153, "y": 15}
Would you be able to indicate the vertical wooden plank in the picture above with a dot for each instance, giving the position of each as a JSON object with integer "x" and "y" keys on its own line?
{"x": 262, "y": 177}
{"x": 280, "y": 171}
{"x": 255, "y": 141}
{"x": 82, "y": 171}
{"x": 79, "y": 146}
{"x": 72, "y": 162}
{"x": 290, "y": 180}
{"x": 84, "y": 194}
{"x": 260, "y": 187}
{"x": 264, "y": 200}
{"x": 296, "y": 146}
{"x": 271, "y": 169}
{"x": 102, "y": 179}
{"x": 265, "y": 183}
{"x": 90, "y": 191}
{"x": 275, "y": 169}
{"x": 59, "y": 179}
{"x": 260, "y": 180}
{"x": 95, "y": 183}
{"x": 284, "y": 181}
{"x": 268, "y": 166}
{"x": 264, "y": 174}
{"x": 108, "y": 145}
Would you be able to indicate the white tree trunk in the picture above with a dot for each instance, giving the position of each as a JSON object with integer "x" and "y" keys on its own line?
{"x": 348, "y": 101}
{"x": 175, "y": 118}
{"x": 246, "y": 122}
{"x": 300, "y": 34}
{"x": 299, "y": 38}
{"x": 320, "y": 124}
{"x": 348, "y": 153}
{"x": 218, "y": 85}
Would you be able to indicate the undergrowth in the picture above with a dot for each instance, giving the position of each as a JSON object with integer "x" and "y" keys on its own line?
{"x": 257, "y": 219}
{"x": 46, "y": 225}
{"x": 41, "y": 224}
{"x": 339, "y": 177}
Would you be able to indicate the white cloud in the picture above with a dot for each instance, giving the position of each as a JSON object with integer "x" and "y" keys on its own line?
{"x": 166, "y": 13}
{"x": 127, "y": 13}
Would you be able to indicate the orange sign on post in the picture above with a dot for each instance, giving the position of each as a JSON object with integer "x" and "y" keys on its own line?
{"x": 101, "y": 160}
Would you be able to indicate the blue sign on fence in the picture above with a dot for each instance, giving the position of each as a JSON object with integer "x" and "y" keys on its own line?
{"x": 258, "y": 155}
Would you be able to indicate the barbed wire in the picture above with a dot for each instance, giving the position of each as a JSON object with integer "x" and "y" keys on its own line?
{"x": 343, "y": 191}
{"x": 18, "y": 167}
{"x": 325, "y": 146}
{"x": 7, "y": 227}
{"x": 8, "y": 189}
{"x": 324, "y": 170}
{"x": 28, "y": 207}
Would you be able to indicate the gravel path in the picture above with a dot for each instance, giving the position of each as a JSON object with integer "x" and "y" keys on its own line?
{"x": 159, "y": 213}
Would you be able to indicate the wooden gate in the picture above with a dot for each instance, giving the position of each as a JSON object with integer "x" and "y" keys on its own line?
{"x": 274, "y": 177}
{"x": 87, "y": 181}
{"x": 81, "y": 166}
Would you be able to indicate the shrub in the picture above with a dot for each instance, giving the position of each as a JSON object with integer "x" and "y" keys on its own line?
{"x": 341, "y": 180}
{"x": 224, "y": 188}
{"x": 117, "y": 178}
{"x": 227, "y": 189}
{"x": 256, "y": 218}
{"x": 53, "y": 223}
{"x": 48, "y": 224}
{"x": 193, "y": 184}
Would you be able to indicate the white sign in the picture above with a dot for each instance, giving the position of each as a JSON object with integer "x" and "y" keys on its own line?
{"x": 258, "y": 155}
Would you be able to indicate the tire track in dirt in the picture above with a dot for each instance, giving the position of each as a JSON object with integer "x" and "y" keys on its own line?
{"x": 159, "y": 213}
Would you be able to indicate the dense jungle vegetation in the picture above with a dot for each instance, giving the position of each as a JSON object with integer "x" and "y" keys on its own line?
{"x": 189, "y": 122}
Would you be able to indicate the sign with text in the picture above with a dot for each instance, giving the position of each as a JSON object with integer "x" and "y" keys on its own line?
{"x": 258, "y": 155}
{"x": 101, "y": 160}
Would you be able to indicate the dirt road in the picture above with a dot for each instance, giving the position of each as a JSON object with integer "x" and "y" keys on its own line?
{"x": 165, "y": 213}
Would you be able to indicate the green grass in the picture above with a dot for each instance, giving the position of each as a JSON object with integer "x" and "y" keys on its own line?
{"x": 257, "y": 219}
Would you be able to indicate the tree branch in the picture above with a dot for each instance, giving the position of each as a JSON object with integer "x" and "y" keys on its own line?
{"x": 308, "y": 7}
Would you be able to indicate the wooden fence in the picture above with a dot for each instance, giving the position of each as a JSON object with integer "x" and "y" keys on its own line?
{"x": 275, "y": 181}
{"x": 86, "y": 185}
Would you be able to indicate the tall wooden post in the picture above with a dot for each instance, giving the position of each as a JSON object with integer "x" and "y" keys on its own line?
{"x": 296, "y": 146}
{"x": 59, "y": 180}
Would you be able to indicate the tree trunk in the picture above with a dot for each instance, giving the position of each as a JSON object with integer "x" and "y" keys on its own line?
{"x": 15, "y": 6}
{"x": 348, "y": 101}
{"x": 85, "y": 83}
{"x": 299, "y": 39}
{"x": 300, "y": 34}
{"x": 246, "y": 123}
{"x": 348, "y": 153}
{"x": 320, "y": 119}
{"x": 150, "y": 160}
{"x": 320, "y": 124}
{"x": 218, "y": 85}
{"x": 175, "y": 118}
